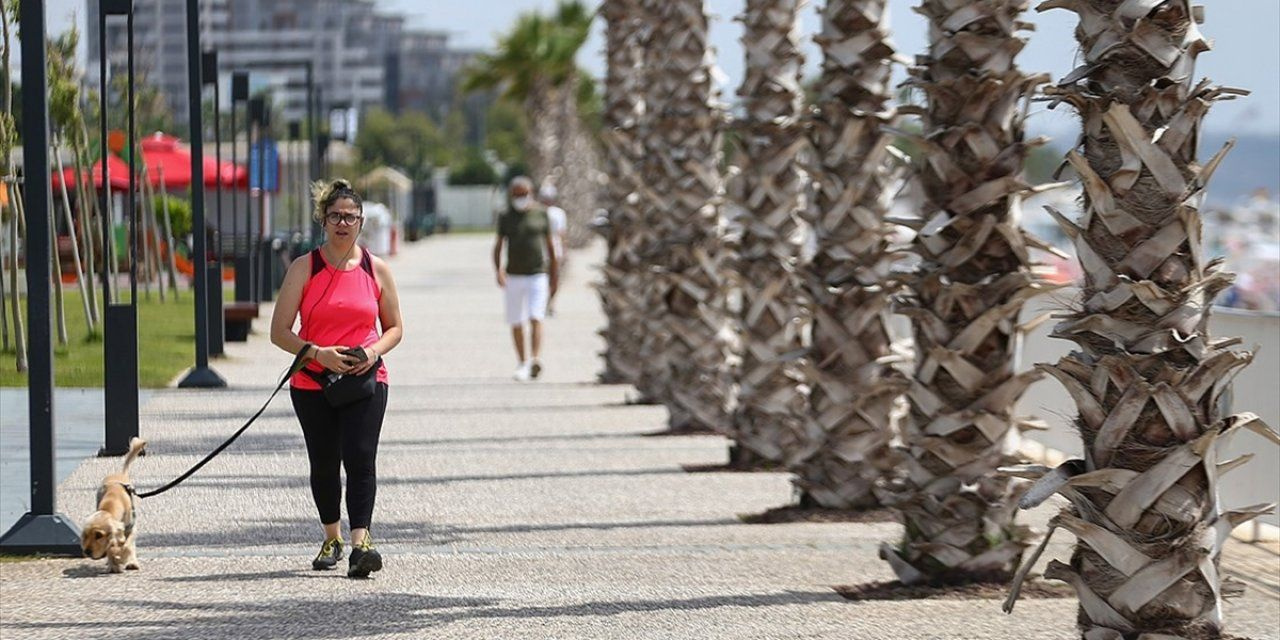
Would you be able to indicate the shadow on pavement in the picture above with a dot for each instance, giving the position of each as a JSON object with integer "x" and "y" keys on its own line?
{"x": 293, "y": 531}
{"x": 286, "y": 482}
{"x": 376, "y": 614}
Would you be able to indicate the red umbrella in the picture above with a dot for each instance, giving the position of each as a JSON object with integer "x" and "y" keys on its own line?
{"x": 163, "y": 152}
{"x": 115, "y": 166}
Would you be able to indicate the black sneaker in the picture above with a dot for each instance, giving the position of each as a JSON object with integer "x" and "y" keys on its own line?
{"x": 535, "y": 370}
{"x": 364, "y": 559}
{"x": 329, "y": 555}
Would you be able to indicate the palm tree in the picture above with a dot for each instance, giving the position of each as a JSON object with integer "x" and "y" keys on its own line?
{"x": 772, "y": 418}
{"x": 534, "y": 65}
{"x": 855, "y": 384}
{"x": 687, "y": 348}
{"x": 966, "y": 295}
{"x": 1147, "y": 378}
{"x": 619, "y": 293}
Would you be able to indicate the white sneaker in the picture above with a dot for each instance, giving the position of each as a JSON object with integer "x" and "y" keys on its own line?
{"x": 522, "y": 372}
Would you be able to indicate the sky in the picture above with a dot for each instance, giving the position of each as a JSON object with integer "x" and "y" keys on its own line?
{"x": 1245, "y": 54}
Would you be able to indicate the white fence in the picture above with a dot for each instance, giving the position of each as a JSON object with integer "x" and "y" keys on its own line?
{"x": 469, "y": 207}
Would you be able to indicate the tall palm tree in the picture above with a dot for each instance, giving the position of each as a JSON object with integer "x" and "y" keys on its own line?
{"x": 1147, "y": 378}
{"x": 688, "y": 347}
{"x": 623, "y": 108}
{"x": 772, "y": 414}
{"x": 534, "y": 65}
{"x": 965, "y": 298}
{"x": 854, "y": 381}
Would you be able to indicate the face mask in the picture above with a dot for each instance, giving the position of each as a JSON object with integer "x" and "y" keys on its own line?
{"x": 523, "y": 203}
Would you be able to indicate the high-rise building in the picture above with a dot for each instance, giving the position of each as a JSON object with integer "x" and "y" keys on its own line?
{"x": 361, "y": 58}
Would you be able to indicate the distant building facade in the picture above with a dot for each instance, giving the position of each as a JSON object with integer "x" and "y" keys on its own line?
{"x": 361, "y": 58}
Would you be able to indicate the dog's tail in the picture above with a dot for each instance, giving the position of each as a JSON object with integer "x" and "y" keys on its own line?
{"x": 136, "y": 445}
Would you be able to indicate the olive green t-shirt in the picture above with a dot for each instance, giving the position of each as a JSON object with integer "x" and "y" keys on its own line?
{"x": 526, "y": 233}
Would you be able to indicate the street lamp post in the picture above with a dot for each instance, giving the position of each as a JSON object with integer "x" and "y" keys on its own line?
{"x": 254, "y": 127}
{"x": 120, "y": 331}
{"x": 200, "y": 376}
{"x": 43, "y": 529}
{"x": 217, "y": 329}
{"x": 244, "y": 280}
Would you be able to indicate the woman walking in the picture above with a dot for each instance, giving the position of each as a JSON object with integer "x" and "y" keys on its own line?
{"x": 341, "y": 293}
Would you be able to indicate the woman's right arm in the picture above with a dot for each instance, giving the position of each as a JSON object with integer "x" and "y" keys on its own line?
{"x": 286, "y": 309}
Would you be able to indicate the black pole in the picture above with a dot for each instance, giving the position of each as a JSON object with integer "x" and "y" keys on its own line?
{"x": 108, "y": 243}
{"x": 254, "y": 127}
{"x": 313, "y": 146}
{"x": 41, "y": 530}
{"x": 120, "y": 335}
{"x": 200, "y": 376}
{"x": 217, "y": 333}
{"x": 239, "y": 93}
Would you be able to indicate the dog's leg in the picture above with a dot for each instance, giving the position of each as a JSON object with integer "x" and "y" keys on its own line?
{"x": 131, "y": 552}
{"x": 114, "y": 565}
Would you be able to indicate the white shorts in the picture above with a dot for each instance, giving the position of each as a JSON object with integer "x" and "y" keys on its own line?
{"x": 526, "y": 298}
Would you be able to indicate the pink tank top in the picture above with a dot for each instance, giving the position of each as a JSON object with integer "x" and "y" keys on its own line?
{"x": 339, "y": 308}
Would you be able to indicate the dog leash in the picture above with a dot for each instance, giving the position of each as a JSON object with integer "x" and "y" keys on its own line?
{"x": 298, "y": 362}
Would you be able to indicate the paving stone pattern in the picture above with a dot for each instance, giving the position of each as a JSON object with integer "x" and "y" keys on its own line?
{"x": 505, "y": 510}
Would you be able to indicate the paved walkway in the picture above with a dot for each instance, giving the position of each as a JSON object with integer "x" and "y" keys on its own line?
{"x": 505, "y": 511}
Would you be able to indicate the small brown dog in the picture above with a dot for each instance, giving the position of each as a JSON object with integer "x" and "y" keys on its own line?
{"x": 111, "y": 531}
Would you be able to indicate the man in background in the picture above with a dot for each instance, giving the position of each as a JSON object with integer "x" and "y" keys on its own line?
{"x": 558, "y": 220}
{"x": 530, "y": 275}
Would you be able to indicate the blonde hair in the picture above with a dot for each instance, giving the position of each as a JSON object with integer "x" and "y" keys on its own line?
{"x": 326, "y": 193}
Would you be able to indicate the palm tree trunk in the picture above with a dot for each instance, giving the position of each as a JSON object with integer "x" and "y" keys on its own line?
{"x": 772, "y": 418}
{"x": 75, "y": 244}
{"x": 623, "y": 109}
{"x": 1147, "y": 378}
{"x": 88, "y": 226}
{"x": 974, "y": 277}
{"x": 540, "y": 141}
{"x": 855, "y": 384}
{"x": 688, "y": 358}
{"x": 59, "y": 303}
{"x": 19, "y": 332}
{"x": 171, "y": 265}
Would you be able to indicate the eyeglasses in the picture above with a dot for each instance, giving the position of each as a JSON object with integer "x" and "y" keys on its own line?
{"x": 349, "y": 219}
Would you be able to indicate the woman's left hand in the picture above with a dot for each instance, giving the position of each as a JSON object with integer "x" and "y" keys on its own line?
{"x": 370, "y": 362}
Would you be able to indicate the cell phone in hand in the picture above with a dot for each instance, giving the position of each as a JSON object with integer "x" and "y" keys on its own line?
{"x": 355, "y": 352}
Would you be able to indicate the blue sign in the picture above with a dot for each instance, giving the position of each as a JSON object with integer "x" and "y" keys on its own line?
{"x": 271, "y": 175}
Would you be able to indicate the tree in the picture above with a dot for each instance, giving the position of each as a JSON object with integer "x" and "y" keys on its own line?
{"x": 855, "y": 384}
{"x": 965, "y": 298}
{"x": 686, "y": 355}
{"x": 620, "y": 293}
{"x": 66, "y": 122}
{"x": 8, "y": 138}
{"x": 772, "y": 417}
{"x": 410, "y": 141}
{"x": 534, "y": 65}
{"x": 1147, "y": 378}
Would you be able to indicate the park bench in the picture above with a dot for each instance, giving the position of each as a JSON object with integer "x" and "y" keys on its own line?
{"x": 238, "y": 317}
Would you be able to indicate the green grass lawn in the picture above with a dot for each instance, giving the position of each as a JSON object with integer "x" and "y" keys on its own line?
{"x": 166, "y": 344}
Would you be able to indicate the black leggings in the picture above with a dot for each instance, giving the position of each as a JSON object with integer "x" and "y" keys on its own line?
{"x": 349, "y": 436}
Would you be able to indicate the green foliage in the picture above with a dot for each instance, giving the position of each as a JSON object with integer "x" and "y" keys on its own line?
{"x": 505, "y": 130}
{"x": 473, "y": 169}
{"x": 179, "y": 214}
{"x": 538, "y": 51}
{"x": 410, "y": 142}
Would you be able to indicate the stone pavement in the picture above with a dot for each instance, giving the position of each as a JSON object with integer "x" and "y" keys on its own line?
{"x": 505, "y": 510}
